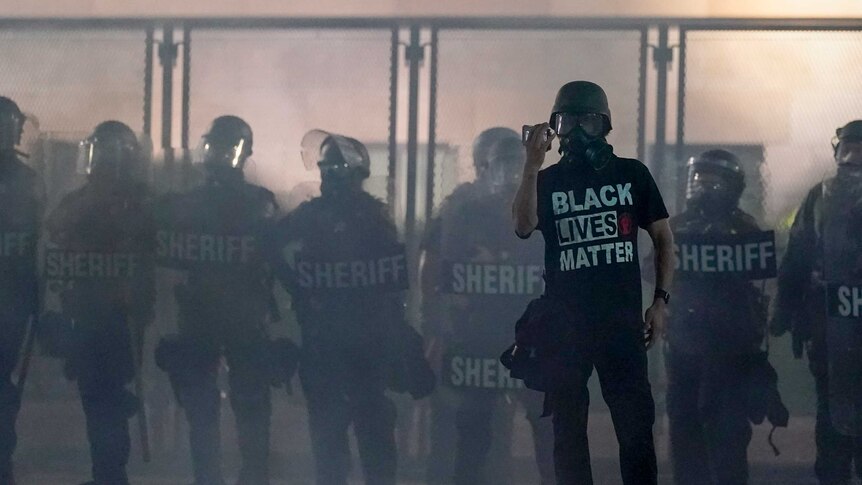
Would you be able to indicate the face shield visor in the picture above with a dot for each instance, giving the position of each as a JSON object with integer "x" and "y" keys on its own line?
{"x": 334, "y": 154}
{"x": 849, "y": 152}
{"x": 11, "y": 128}
{"x": 222, "y": 154}
{"x": 709, "y": 189}
{"x": 504, "y": 165}
{"x": 114, "y": 159}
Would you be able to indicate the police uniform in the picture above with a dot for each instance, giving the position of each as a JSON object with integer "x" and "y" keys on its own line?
{"x": 800, "y": 304}
{"x": 821, "y": 262}
{"x": 214, "y": 235}
{"x": 715, "y": 330}
{"x": 21, "y": 203}
{"x": 342, "y": 263}
{"x": 99, "y": 258}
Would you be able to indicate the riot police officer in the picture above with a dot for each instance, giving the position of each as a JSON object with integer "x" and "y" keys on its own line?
{"x": 213, "y": 235}
{"x": 715, "y": 330}
{"x": 21, "y": 204}
{"x": 342, "y": 263}
{"x": 471, "y": 323}
{"x": 823, "y": 256}
{"x": 99, "y": 259}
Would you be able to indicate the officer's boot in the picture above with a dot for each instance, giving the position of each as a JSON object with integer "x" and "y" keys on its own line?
{"x": 252, "y": 423}
{"x": 202, "y": 404}
{"x": 7, "y": 477}
{"x": 9, "y": 404}
{"x": 107, "y": 413}
{"x": 374, "y": 426}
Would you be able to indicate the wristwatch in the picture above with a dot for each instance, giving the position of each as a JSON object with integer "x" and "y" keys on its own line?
{"x": 660, "y": 293}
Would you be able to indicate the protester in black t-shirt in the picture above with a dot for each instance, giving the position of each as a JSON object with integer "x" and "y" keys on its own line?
{"x": 589, "y": 207}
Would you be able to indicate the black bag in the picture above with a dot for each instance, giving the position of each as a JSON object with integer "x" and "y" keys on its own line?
{"x": 763, "y": 398}
{"x": 411, "y": 371}
{"x": 544, "y": 353}
{"x": 764, "y": 401}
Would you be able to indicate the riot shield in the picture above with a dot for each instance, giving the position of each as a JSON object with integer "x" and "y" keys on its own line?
{"x": 842, "y": 220}
{"x": 210, "y": 241}
{"x": 486, "y": 276}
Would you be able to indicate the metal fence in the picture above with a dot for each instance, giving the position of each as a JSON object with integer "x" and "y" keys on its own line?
{"x": 418, "y": 90}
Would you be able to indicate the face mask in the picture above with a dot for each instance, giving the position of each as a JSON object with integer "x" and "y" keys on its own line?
{"x": 337, "y": 183}
{"x": 594, "y": 150}
{"x": 223, "y": 174}
{"x": 711, "y": 201}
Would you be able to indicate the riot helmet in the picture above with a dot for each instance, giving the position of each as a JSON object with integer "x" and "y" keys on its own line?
{"x": 715, "y": 181}
{"x": 11, "y": 125}
{"x": 498, "y": 156}
{"x": 582, "y": 119}
{"x": 225, "y": 148}
{"x": 343, "y": 162}
{"x": 847, "y": 144}
{"x": 113, "y": 154}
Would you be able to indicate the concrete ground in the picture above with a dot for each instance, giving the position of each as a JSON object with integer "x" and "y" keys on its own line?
{"x": 53, "y": 449}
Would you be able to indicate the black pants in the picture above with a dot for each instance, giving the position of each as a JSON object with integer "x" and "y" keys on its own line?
{"x": 708, "y": 419}
{"x": 836, "y": 453}
{"x": 101, "y": 362}
{"x": 480, "y": 426}
{"x": 338, "y": 398}
{"x": 620, "y": 361}
{"x": 12, "y": 332}
{"x": 200, "y": 397}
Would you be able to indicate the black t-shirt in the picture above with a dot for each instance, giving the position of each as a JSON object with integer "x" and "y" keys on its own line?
{"x": 590, "y": 219}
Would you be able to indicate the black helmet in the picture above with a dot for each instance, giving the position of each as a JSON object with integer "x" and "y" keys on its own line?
{"x": 11, "y": 124}
{"x": 227, "y": 144}
{"x": 496, "y": 144}
{"x": 721, "y": 194}
{"x": 851, "y": 132}
{"x": 582, "y": 97}
{"x": 331, "y": 152}
{"x": 343, "y": 162}
{"x": 113, "y": 152}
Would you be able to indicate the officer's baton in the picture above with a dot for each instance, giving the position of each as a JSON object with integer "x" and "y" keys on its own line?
{"x": 29, "y": 345}
{"x": 143, "y": 425}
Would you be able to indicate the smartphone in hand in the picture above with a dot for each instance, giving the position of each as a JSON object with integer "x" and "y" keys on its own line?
{"x": 527, "y": 130}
